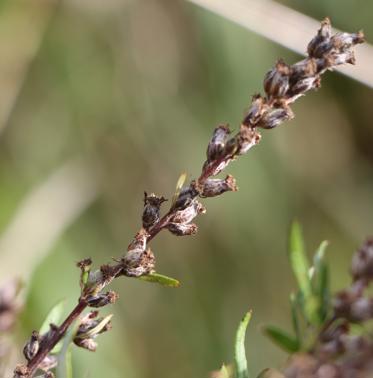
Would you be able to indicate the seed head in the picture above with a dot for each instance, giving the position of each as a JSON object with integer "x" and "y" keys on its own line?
{"x": 32, "y": 346}
{"x": 152, "y": 205}
{"x": 216, "y": 145}
{"x": 215, "y": 187}
{"x": 182, "y": 229}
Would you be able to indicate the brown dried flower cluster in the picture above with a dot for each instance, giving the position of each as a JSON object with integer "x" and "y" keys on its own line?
{"x": 283, "y": 85}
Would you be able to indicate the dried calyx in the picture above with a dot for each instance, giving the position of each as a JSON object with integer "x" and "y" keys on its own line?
{"x": 89, "y": 328}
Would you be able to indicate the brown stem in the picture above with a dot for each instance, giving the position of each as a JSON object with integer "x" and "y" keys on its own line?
{"x": 57, "y": 334}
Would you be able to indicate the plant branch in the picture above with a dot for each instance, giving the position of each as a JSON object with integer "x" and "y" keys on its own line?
{"x": 283, "y": 84}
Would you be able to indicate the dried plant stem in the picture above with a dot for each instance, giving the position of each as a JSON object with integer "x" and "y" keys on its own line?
{"x": 57, "y": 335}
{"x": 283, "y": 84}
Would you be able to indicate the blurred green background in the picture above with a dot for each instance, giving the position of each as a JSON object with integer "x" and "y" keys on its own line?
{"x": 106, "y": 99}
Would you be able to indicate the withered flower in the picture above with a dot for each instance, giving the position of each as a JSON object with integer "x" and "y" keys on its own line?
{"x": 102, "y": 299}
{"x": 216, "y": 187}
{"x": 152, "y": 205}
{"x": 32, "y": 346}
{"x": 216, "y": 145}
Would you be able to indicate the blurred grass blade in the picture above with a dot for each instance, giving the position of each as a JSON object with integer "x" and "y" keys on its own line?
{"x": 53, "y": 317}
{"x": 240, "y": 354}
{"x": 160, "y": 279}
{"x": 282, "y": 339}
{"x": 321, "y": 281}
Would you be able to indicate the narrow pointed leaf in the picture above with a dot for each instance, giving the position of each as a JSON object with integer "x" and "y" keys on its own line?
{"x": 160, "y": 279}
{"x": 301, "y": 268}
{"x": 240, "y": 353}
{"x": 321, "y": 281}
{"x": 53, "y": 317}
{"x": 298, "y": 259}
{"x": 282, "y": 339}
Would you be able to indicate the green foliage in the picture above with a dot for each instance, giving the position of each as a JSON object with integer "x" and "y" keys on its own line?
{"x": 240, "y": 354}
{"x": 321, "y": 282}
{"x": 298, "y": 259}
{"x": 310, "y": 305}
{"x": 161, "y": 279}
{"x": 282, "y": 339}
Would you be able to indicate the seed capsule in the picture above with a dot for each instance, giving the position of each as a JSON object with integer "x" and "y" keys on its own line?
{"x": 88, "y": 344}
{"x": 32, "y": 347}
{"x": 343, "y": 41}
{"x": 186, "y": 197}
{"x": 182, "y": 229}
{"x": 189, "y": 213}
{"x": 136, "y": 263}
{"x": 217, "y": 142}
{"x": 257, "y": 108}
{"x": 21, "y": 371}
{"x": 320, "y": 45}
{"x": 247, "y": 137}
{"x": 216, "y": 187}
{"x": 275, "y": 117}
{"x": 102, "y": 299}
{"x": 139, "y": 241}
{"x": 152, "y": 205}
{"x": 276, "y": 81}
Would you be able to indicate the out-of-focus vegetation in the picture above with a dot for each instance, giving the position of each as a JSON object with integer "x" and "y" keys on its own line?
{"x": 103, "y": 100}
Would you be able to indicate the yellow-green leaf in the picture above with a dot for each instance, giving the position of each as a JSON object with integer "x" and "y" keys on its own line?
{"x": 240, "y": 353}
{"x": 160, "y": 279}
{"x": 282, "y": 339}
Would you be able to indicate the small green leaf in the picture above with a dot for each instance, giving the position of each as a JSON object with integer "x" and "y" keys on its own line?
{"x": 240, "y": 354}
{"x": 282, "y": 339}
{"x": 301, "y": 269}
{"x": 298, "y": 259}
{"x": 53, "y": 317}
{"x": 321, "y": 282}
{"x": 161, "y": 279}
